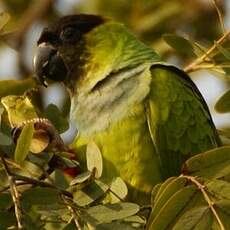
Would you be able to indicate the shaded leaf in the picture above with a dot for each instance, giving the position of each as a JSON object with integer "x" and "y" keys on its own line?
{"x": 224, "y": 51}
{"x": 109, "y": 212}
{"x": 53, "y": 113}
{"x": 223, "y": 104}
{"x": 5, "y": 201}
{"x": 23, "y": 143}
{"x": 7, "y": 219}
{"x": 40, "y": 196}
{"x": 115, "y": 225}
{"x": 5, "y": 140}
{"x": 89, "y": 193}
{"x": 214, "y": 163}
{"x": 16, "y": 87}
{"x": 171, "y": 188}
{"x": 172, "y": 208}
{"x": 94, "y": 159}
{"x": 220, "y": 188}
{"x": 163, "y": 186}
{"x": 196, "y": 218}
{"x": 180, "y": 44}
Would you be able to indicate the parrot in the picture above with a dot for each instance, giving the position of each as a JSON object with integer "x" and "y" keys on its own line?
{"x": 146, "y": 116}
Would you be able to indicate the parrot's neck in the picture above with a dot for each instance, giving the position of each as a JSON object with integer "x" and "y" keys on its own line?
{"x": 115, "y": 78}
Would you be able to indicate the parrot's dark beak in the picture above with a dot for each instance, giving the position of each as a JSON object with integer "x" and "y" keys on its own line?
{"x": 48, "y": 64}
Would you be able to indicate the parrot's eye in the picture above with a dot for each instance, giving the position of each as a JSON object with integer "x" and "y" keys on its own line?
{"x": 70, "y": 34}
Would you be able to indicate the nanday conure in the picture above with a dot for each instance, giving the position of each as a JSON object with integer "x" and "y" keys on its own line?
{"x": 147, "y": 117}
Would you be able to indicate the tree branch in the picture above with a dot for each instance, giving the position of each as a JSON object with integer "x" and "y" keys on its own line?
{"x": 207, "y": 198}
{"x": 193, "y": 66}
{"x": 14, "y": 193}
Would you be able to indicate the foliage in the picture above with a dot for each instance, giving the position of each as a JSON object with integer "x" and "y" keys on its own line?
{"x": 42, "y": 184}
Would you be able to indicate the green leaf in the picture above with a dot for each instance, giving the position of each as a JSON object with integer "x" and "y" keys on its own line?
{"x": 110, "y": 212}
{"x": 154, "y": 192}
{"x": 40, "y": 196}
{"x": 180, "y": 44}
{"x": 119, "y": 188}
{"x": 53, "y": 113}
{"x": 16, "y": 87}
{"x": 223, "y": 209}
{"x": 4, "y": 19}
{"x": 220, "y": 188}
{"x": 7, "y": 219}
{"x": 223, "y": 104}
{"x": 214, "y": 163}
{"x": 81, "y": 178}
{"x": 5, "y": 201}
{"x": 4, "y": 139}
{"x": 94, "y": 159}
{"x": 54, "y": 209}
{"x": 115, "y": 225}
{"x": 89, "y": 193}
{"x": 19, "y": 109}
{"x": 224, "y": 51}
{"x": 23, "y": 143}
{"x": 172, "y": 208}
{"x": 172, "y": 186}
{"x": 196, "y": 218}
{"x": 163, "y": 186}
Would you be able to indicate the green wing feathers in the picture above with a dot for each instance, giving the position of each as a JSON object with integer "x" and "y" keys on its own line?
{"x": 178, "y": 117}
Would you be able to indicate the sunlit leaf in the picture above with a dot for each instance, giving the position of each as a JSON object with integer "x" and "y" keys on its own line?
{"x": 81, "y": 178}
{"x": 169, "y": 190}
{"x": 19, "y": 109}
{"x": 23, "y": 143}
{"x": 94, "y": 159}
{"x": 40, "y": 141}
{"x": 119, "y": 189}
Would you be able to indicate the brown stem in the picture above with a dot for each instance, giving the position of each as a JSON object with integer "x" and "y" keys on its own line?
{"x": 202, "y": 58}
{"x": 14, "y": 193}
{"x": 206, "y": 197}
{"x": 72, "y": 211}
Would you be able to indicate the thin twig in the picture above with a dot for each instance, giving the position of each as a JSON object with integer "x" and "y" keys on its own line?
{"x": 219, "y": 15}
{"x": 73, "y": 212}
{"x": 14, "y": 193}
{"x": 42, "y": 184}
{"x": 202, "y": 58}
{"x": 206, "y": 197}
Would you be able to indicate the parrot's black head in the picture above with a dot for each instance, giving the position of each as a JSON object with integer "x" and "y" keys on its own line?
{"x": 64, "y": 36}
